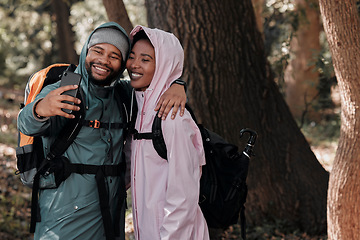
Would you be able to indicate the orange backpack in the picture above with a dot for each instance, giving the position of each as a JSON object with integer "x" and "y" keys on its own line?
{"x": 32, "y": 162}
{"x": 30, "y": 148}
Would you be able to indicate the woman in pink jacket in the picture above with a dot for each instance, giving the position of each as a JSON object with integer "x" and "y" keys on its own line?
{"x": 164, "y": 193}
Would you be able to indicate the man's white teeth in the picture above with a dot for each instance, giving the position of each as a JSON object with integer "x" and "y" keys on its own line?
{"x": 100, "y": 69}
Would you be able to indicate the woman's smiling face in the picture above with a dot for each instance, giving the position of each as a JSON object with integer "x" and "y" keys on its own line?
{"x": 141, "y": 64}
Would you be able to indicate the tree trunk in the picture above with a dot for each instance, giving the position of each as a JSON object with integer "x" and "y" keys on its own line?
{"x": 258, "y": 9}
{"x": 116, "y": 12}
{"x": 64, "y": 32}
{"x": 301, "y": 78}
{"x": 230, "y": 87}
{"x": 342, "y": 25}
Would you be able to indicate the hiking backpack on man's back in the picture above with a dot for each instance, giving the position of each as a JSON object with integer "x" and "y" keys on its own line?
{"x": 32, "y": 162}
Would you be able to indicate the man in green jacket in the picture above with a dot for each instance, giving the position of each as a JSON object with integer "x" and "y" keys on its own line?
{"x": 72, "y": 210}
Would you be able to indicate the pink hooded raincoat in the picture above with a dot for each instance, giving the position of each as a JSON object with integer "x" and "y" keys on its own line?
{"x": 165, "y": 193}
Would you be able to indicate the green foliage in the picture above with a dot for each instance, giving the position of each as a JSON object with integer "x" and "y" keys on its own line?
{"x": 25, "y": 33}
{"x": 28, "y": 36}
{"x": 8, "y": 113}
{"x": 323, "y": 64}
{"x": 136, "y": 11}
{"x": 324, "y": 132}
{"x": 280, "y": 26}
{"x": 28, "y": 33}
{"x": 8, "y": 138}
{"x": 85, "y": 16}
{"x": 281, "y": 22}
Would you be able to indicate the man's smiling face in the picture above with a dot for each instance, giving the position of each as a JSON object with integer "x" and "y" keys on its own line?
{"x": 103, "y": 63}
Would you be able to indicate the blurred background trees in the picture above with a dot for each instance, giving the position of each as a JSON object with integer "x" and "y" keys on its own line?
{"x": 32, "y": 32}
{"x": 37, "y": 33}
{"x": 263, "y": 64}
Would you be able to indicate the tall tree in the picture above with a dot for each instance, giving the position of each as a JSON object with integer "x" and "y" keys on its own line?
{"x": 258, "y": 9}
{"x": 65, "y": 34}
{"x": 231, "y": 87}
{"x": 116, "y": 12}
{"x": 301, "y": 77}
{"x": 342, "y": 26}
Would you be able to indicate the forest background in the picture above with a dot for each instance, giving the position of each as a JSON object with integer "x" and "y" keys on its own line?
{"x": 263, "y": 64}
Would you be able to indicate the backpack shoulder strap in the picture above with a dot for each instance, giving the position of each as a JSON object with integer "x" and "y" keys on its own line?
{"x": 39, "y": 80}
{"x": 35, "y": 84}
{"x": 44, "y": 77}
{"x": 126, "y": 100}
{"x": 73, "y": 126}
{"x": 157, "y": 136}
{"x": 187, "y": 106}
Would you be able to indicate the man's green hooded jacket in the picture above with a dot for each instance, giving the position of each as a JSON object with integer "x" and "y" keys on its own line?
{"x": 72, "y": 210}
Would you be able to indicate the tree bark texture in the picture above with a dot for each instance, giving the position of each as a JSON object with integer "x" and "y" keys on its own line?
{"x": 116, "y": 11}
{"x": 342, "y": 26}
{"x": 64, "y": 32}
{"x": 230, "y": 87}
{"x": 258, "y": 6}
{"x": 301, "y": 77}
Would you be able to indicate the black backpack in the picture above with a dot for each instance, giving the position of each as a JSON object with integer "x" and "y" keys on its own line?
{"x": 31, "y": 163}
{"x": 223, "y": 188}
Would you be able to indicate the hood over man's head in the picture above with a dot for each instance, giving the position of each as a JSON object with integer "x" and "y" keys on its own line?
{"x": 106, "y": 34}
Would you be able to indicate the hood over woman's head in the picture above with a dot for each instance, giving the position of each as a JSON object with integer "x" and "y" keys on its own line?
{"x": 169, "y": 56}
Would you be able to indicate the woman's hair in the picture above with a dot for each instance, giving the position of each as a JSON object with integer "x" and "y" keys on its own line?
{"x": 138, "y": 36}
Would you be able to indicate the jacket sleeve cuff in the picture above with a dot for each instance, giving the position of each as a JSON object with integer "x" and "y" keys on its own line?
{"x": 37, "y": 116}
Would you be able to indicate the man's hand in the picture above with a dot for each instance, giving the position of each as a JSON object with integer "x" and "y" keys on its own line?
{"x": 174, "y": 97}
{"x": 52, "y": 103}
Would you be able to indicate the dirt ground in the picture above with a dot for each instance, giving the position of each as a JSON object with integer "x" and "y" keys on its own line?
{"x": 15, "y": 198}
{"x": 17, "y": 213}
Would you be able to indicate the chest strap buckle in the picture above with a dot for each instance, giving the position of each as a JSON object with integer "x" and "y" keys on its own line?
{"x": 94, "y": 124}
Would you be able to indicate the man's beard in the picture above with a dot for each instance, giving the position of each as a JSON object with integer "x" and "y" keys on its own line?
{"x": 107, "y": 81}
